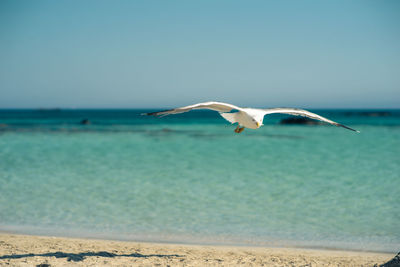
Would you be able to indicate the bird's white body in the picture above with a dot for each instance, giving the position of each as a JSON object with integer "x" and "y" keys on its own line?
{"x": 246, "y": 117}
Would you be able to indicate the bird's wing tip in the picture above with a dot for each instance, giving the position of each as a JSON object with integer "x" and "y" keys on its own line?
{"x": 159, "y": 113}
{"x": 149, "y": 114}
{"x": 346, "y": 127}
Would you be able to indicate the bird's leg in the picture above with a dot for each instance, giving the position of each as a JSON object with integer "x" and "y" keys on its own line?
{"x": 239, "y": 129}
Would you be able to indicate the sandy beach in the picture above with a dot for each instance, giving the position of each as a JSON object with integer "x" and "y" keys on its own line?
{"x": 25, "y": 250}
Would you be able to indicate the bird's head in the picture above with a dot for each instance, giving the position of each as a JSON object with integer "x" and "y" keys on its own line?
{"x": 259, "y": 121}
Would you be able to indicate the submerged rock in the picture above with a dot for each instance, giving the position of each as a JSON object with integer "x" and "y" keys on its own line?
{"x": 368, "y": 113}
{"x": 301, "y": 121}
{"x": 85, "y": 122}
{"x": 376, "y": 114}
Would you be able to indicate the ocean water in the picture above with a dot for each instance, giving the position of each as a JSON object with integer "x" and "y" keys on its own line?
{"x": 189, "y": 178}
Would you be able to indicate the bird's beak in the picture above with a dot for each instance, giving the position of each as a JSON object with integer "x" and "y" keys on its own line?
{"x": 258, "y": 124}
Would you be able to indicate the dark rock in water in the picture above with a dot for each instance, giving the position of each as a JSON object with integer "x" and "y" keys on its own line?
{"x": 376, "y": 114}
{"x": 368, "y": 113}
{"x": 85, "y": 122}
{"x": 395, "y": 262}
{"x": 300, "y": 121}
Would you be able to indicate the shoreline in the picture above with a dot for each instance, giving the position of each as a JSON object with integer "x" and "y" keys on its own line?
{"x": 18, "y": 249}
{"x": 202, "y": 241}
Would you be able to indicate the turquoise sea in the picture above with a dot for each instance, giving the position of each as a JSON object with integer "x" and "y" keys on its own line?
{"x": 189, "y": 178}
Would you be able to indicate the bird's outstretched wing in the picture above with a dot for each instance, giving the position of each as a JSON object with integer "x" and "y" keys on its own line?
{"x": 304, "y": 113}
{"x": 217, "y": 106}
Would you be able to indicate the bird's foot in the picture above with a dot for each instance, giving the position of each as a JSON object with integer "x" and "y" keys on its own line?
{"x": 239, "y": 129}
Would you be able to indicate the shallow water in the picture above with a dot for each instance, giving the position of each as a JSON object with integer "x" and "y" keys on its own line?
{"x": 190, "y": 178}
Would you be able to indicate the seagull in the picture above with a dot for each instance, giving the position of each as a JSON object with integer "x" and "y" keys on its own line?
{"x": 251, "y": 118}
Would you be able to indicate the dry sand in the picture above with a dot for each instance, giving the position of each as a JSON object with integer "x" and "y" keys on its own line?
{"x": 23, "y": 250}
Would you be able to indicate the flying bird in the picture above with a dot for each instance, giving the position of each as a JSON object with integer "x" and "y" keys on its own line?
{"x": 251, "y": 118}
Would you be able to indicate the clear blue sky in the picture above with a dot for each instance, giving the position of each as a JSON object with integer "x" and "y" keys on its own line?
{"x": 135, "y": 54}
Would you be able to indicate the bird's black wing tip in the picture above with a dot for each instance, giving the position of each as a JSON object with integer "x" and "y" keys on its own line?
{"x": 149, "y": 114}
{"x": 157, "y": 113}
{"x": 344, "y": 126}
